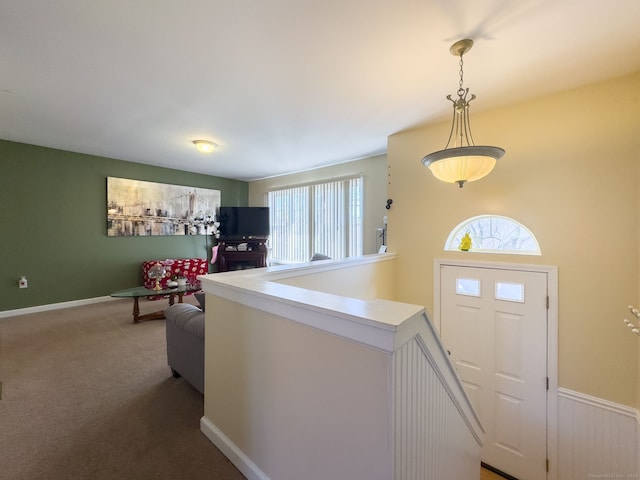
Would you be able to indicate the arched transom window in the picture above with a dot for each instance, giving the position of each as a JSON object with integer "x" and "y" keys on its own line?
{"x": 493, "y": 234}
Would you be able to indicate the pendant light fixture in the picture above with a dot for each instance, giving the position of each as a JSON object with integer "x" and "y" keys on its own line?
{"x": 461, "y": 160}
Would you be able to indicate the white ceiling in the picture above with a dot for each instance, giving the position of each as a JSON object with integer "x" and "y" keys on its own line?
{"x": 284, "y": 85}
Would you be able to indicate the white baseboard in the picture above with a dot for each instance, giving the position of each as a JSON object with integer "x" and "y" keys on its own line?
{"x": 54, "y": 306}
{"x": 231, "y": 451}
{"x": 597, "y": 438}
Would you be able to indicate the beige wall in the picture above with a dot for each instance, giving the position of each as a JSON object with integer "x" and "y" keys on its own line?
{"x": 300, "y": 403}
{"x": 374, "y": 170}
{"x": 347, "y": 282}
{"x": 571, "y": 175}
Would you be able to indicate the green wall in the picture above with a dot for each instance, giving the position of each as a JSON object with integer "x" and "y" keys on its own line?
{"x": 53, "y": 225}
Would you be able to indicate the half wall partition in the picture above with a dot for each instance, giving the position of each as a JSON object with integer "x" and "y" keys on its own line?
{"x": 313, "y": 372}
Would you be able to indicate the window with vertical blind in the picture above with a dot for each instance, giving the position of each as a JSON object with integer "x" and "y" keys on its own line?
{"x": 323, "y": 218}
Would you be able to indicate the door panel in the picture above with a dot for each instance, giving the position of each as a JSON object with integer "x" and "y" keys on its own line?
{"x": 508, "y": 356}
{"x": 494, "y": 322}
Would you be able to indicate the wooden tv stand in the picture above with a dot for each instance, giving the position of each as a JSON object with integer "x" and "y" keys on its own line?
{"x": 232, "y": 256}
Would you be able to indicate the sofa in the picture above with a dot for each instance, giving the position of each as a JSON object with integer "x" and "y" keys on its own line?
{"x": 185, "y": 342}
{"x": 190, "y": 268}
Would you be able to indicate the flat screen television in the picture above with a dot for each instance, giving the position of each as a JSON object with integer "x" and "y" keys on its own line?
{"x": 244, "y": 222}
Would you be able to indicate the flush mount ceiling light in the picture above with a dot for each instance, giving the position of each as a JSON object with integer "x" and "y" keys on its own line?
{"x": 461, "y": 160}
{"x": 205, "y": 146}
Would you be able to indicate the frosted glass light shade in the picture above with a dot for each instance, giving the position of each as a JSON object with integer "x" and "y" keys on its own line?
{"x": 463, "y": 164}
{"x": 204, "y": 146}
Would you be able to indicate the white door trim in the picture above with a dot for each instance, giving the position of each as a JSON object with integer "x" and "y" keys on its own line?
{"x": 552, "y": 338}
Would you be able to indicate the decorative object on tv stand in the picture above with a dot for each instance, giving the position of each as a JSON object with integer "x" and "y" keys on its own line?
{"x": 213, "y": 224}
{"x": 635, "y": 329}
{"x": 461, "y": 160}
{"x": 157, "y": 272}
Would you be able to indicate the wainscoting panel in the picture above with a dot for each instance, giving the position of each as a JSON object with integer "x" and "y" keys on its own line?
{"x": 430, "y": 432}
{"x": 597, "y": 438}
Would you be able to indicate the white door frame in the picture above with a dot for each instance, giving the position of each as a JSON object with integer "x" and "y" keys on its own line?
{"x": 552, "y": 338}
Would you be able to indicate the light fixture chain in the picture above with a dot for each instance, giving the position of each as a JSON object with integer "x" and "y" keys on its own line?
{"x": 461, "y": 89}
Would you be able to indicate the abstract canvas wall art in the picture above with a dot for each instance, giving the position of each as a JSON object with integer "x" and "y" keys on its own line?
{"x": 139, "y": 208}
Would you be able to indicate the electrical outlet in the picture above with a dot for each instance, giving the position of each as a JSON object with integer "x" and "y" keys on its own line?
{"x": 23, "y": 282}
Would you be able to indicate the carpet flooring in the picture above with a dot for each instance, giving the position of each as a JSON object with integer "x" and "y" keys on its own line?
{"x": 86, "y": 394}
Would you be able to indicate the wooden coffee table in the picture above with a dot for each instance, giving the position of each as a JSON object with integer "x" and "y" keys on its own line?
{"x": 137, "y": 292}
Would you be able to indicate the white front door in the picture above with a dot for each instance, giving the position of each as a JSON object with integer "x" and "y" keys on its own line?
{"x": 494, "y": 323}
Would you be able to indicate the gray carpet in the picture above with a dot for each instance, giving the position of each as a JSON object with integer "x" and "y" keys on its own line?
{"x": 86, "y": 394}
